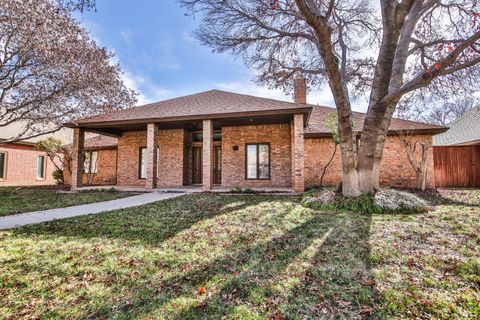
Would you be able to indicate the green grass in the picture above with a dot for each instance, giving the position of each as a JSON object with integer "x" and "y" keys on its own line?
{"x": 15, "y": 200}
{"x": 243, "y": 257}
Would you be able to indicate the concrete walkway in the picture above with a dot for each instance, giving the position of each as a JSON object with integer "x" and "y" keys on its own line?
{"x": 23, "y": 219}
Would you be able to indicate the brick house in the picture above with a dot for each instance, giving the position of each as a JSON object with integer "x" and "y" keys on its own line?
{"x": 21, "y": 164}
{"x": 223, "y": 139}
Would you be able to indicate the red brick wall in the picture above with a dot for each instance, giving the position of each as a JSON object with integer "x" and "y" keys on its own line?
{"x": 170, "y": 162}
{"x": 21, "y": 167}
{"x": 233, "y": 162}
{"x": 106, "y": 169}
{"x": 395, "y": 169}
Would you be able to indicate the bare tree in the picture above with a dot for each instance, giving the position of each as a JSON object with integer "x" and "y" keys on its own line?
{"x": 437, "y": 112}
{"x": 417, "y": 154}
{"x": 92, "y": 164}
{"x": 331, "y": 123}
{"x": 51, "y": 71}
{"x": 396, "y": 51}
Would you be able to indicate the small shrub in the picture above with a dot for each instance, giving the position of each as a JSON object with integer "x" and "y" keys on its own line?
{"x": 248, "y": 190}
{"x": 58, "y": 176}
{"x": 236, "y": 190}
{"x": 244, "y": 191}
{"x": 384, "y": 201}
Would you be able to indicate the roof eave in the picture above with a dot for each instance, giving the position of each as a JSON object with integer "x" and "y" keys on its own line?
{"x": 432, "y": 131}
{"x": 97, "y": 124}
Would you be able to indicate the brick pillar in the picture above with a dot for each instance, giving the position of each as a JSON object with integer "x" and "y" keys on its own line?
{"x": 207, "y": 155}
{"x": 152, "y": 143}
{"x": 298, "y": 159}
{"x": 76, "y": 163}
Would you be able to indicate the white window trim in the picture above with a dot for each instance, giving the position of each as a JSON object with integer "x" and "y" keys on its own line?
{"x": 5, "y": 165}
{"x": 44, "y": 167}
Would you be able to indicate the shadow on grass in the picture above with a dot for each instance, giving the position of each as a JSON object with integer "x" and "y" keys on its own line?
{"x": 451, "y": 197}
{"x": 318, "y": 268}
{"x": 150, "y": 224}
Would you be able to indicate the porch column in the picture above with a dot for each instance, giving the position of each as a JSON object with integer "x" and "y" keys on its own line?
{"x": 207, "y": 155}
{"x": 76, "y": 162}
{"x": 152, "y": 142}
{"x": 298, "y": 159}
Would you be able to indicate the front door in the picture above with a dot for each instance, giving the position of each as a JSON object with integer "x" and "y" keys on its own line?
{"x": 197, "y": 165}
{"x": 217, "y": 165}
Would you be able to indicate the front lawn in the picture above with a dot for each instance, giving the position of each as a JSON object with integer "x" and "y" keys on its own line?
{"x": 15, "y": 200}
{"x": 245, "y": 257}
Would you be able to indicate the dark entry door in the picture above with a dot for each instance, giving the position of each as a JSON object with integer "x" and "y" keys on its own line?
{"x": 197, "y": 165}
{"x": 217, "y": 165}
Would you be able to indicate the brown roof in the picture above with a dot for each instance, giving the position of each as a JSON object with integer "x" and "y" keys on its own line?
{"x": 99, "y": 142}
{"x": 213, "y": 102}
{"x": 218, "y": 104}
{"x": 316, "y": 123}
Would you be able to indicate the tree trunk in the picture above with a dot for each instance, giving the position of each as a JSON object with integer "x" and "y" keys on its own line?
{"x": 328, "y": 163}
{"x": 350, "y": 182}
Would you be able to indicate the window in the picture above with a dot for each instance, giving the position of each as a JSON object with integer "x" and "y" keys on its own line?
{"x": 142, "y": 171}
{"x": 198, "y": 136}
{"x": 142, "y": 168}
{"x": 41, "y": 167}
{"x": 258, "y": 161}
{"x": 90, "y": 162}
{"x": 3, "y": 165}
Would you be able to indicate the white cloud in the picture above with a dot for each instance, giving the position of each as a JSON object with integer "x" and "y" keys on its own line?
{"x": 188, "y": 37}
{"x": 148, "y": 92}
{"x": 127, "y": 36}
{"x": 167, "y": 58}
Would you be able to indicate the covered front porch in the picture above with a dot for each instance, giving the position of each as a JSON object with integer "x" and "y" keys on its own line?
{"x": 262, "y": 152}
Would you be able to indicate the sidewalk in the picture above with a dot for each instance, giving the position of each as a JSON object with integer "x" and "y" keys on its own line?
{"x": 23, "y": 219}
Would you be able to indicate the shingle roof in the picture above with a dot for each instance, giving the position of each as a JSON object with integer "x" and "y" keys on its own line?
{"x": 99, "y": 141}
{"x": 213, "y": 102}
{"x": 316, "y": 123}
{"x": 217, "y": 102}
{"x": 463, "y": 130}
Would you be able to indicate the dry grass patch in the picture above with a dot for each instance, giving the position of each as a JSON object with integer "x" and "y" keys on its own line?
{"x": 244, "y": 257}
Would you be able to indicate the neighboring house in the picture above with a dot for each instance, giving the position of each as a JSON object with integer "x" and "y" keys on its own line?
{"x": 457, "y": 152}
{"x": 217, "y": 138}
{"x": 21, "y": 164}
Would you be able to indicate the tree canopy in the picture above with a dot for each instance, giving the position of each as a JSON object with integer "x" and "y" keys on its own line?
{"x": 51, "y": 70}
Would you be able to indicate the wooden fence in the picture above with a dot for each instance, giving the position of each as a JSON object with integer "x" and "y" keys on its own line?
{"x": 457, "y": 166}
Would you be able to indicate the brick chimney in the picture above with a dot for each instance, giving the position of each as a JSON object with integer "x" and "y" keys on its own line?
{"x": 300, "y": 90}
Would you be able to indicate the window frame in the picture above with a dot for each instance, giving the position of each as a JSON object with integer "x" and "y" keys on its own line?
{"x": 44, "y": 170}
{"x": 90, "y": 152}
{"x": 258, "y": 160}
{"x": 140, "y": 164}
{"x": 4, "y": 169}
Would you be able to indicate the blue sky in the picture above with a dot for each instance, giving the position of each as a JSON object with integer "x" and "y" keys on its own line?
{"x": 153, "y": 43}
